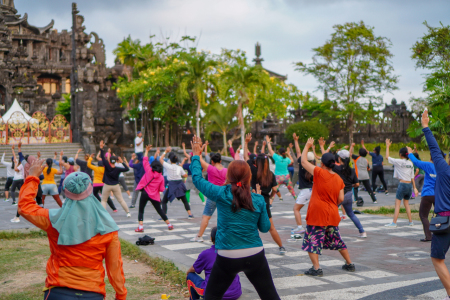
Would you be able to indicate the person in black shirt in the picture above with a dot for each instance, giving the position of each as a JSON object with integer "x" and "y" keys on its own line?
{"x": 83, "y": 163}
{"x": 263, "y": 178}
{"x": 305, "y": 184}
{"x": 350, "y": 179}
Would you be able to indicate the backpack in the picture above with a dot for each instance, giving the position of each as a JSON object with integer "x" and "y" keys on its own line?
{"x": 359, "y": 201}
{"x": 145, "y": 241}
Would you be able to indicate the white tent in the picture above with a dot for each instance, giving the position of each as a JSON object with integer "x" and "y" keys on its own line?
{"x": 17, "y": 108}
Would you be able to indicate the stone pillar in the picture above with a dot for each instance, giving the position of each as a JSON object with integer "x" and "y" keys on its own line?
{"x": 63, "y": 86}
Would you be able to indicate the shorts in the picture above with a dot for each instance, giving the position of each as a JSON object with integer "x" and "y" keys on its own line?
{"x": 404, "y": 191}
{"x": 8, "y": 184}
{"x": 322, "y": 237}
{"x": 440, "y": 244}
{"x": 210, "y": 208}
{"x": 304, "y": 196}
{"x": 49, "y": 189}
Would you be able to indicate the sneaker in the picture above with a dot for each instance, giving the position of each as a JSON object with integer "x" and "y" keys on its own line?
{"x": 375, "y": 201}
{"x": 344, "y": 217}
{"x": 170, "y": 227}
{"x": 386, "y": 193}
{"x": 391, "y": 225}
{"x": 446, "y": 298}
{"x": 129, "y": 196}
{"x": 411, "y": 224}
{"x": 204, "y": 203}
{"x": 281, "y": 199}
{"x": 349, "y": 268}
{"x": 287, "y": 194}
{"x": 298, "y": 231}
{"x": 114, "y": 211}
{"x": 190, "y": 217}
{"x": 131, "y": 206}
{"x": 139, "y": 229}
{"x": 128, "y": 215}
{"x": 363, "y": 235}
{"x": 14, "y": 203}
{"x": 282, "y": 250}
{"x": 15, "y": 220}
{"x": 314, "y": 272}
{"x": 6, "y": 200}
{"x": 197, "y": 239}
{"x": 270, "y": 206}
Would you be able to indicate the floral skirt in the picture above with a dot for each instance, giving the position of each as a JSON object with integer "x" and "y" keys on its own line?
{"x": 321, "y": 237}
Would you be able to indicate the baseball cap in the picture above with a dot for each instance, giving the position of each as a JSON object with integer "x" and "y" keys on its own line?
{"x": 310, "y": 156}
{"x": 328, "y": 160}
{"x": 70, "y": 160}
{"x": 343, "y": 154}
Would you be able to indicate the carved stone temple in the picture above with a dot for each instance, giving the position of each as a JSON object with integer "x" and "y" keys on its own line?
{"x": 35, "y": 68}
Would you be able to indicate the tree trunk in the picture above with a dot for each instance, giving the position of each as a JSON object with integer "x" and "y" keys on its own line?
{"x": 224, "y": 134}
{"x": 142, "y": 116}
{"x": 350, "y": 129}
{"x": 241, "y": 124}
{"x": 135, "y": 126}
{"x": 166, "y": 134}
{"x": 157, "y": 133}
{"x": 150, "y": 138}
{"x": 197, "y": 114}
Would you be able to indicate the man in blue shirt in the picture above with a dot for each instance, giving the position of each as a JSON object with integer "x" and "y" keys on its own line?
{"x": 440, "y": 243}
{"x": 427, "y": 191}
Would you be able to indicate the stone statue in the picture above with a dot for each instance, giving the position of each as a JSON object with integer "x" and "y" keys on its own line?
{"x": 88, "y": 117}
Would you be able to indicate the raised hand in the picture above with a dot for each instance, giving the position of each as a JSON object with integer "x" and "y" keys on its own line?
{"x": 258, "y": 189}
{"x": 12, "y": 147}
{"x": 321, "y": 142}
{"x": 409, "y": 149}
{"x": 79, "y": 150}
{"x": 388, "y": 142}
{"x": 310, "y": 142}
{"x": 147, "y": 148}
{"x": 425, "y": 118}
{"x": 230, "y": 143}
{"x": 264, "y": 143}
{"x": 291, "y": 145}
{"x": 268, "y": 139}
{"x": 168, "y": 149}
{"x": 332, "y": 144}
{"x": 36, "y": 168}
{"x": 353, "y": 145}
{"x": 196, "y": 146}
{"x": 295, "y": 136}
{"x": 119, "y": 159}
{"x": 248, "y": 137}
{"x": 39, "y": 154}
{"x": 61, "y": 153}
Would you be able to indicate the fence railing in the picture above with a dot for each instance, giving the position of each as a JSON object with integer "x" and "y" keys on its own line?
{"x": 37, "y": 130}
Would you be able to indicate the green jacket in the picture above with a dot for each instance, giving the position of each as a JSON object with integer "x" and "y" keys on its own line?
{"x": 237, "y": 230}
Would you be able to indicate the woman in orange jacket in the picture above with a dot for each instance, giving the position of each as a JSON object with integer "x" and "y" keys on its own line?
{"x": 75, "y": 267}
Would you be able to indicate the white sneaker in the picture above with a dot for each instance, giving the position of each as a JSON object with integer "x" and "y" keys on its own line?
{"x": 129, "y": 197}
{"x": 197, "y": 239}
{"x": 363, "y": 235}
{"x": 15, "y": 220}
{"x": 344, "y": 217}
{"x": 128, "y": 215}
{"x": 6, "y": 200}
{"x": 204, "y": 203}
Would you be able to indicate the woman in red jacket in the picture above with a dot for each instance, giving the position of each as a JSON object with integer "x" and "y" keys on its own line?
{"x": 75, "y": 267}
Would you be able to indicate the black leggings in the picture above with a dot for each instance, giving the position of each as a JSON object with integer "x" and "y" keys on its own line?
{"x": 166, "y": 199}
{"x": 16, "y": 184}
{"x": 255, "y": 268}
{"x": 156, "y": 204}
{"x": 63, "y": 293}
{"x": 425, "y": 206}
{"x": 378, "y": 171}
{"x": 368, "y": 188}
{"x": 98, "y": 189}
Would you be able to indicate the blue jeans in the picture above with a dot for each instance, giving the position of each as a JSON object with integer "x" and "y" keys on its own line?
{"x": 194, "y": 282}
{"x": 347, "y": 204}
{"x": 210, "y": 208}
{"x": 291, "y": 172}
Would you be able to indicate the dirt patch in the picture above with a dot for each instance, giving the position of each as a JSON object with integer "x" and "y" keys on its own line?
{"x": 21, "y": 280}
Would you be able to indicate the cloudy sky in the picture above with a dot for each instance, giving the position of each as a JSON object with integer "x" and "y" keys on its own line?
{"x": 286, "y": 29}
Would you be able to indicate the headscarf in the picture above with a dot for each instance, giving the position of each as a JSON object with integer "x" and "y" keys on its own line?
{"x": 27, "y": 166}
{"x": 82, "y": 216}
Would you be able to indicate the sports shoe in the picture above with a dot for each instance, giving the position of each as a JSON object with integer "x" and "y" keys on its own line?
{"x": 129, "y": 196}
{"x": 270, "y": 206}
{"x": 411, "y": 224}
{"x": 131, "y": 206}
{"x": 14, "y": 203}
{"x": 190, "y": 217}
{"x": 344, "y": 217}
{"x": 282, "y": 250}
{"x": 6, "y": 200}
{"x": 170, "y": 227}
{"x": 298, "y": 231}
{"x": 288, "y": 194}
{"x": 349, "y": 268}
{"x": 446, "y": 298}
{"x": 281, "y": 199}
{"x": 15, "y": 220}
{"x": 391, "y": 225}
{"x": 314, "y": 272}
{"x": 128, "y": 215}
{"x": 386, "y": 193}
{"x": 363, "y": 235}
{"x": 375, "y": 201}
{"x": 197, "y": 239}
{"x": 139, "y": 229}
{"x": 204, "y": 203}
{"x": 114, "y": 211}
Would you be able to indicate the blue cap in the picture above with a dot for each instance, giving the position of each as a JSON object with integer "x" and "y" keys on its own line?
{"x": 139, "y": 132}
{"x": 71, "y": 160}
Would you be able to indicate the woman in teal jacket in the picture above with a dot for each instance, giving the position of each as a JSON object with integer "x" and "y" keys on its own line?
{"x": 241, "y": 214}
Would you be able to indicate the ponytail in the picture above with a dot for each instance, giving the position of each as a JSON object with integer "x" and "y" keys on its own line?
{"x": 282, "y": 152}
{"x": 49, "y": 165}
{"x": 239, "y": 176}
{"x": 346, "y": 169}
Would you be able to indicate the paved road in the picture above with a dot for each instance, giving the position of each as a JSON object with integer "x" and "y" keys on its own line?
{"x": 390, "y": 263}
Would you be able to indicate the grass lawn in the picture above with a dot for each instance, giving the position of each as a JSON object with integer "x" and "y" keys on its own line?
{"x": 424, "y": 156}
{"x": 389, "y": 212}
{"x": 24, "y": 256}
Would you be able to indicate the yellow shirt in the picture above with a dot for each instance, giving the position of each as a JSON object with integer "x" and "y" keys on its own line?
{"x": 49, "y": 178}
{"x": 98, "y": 172}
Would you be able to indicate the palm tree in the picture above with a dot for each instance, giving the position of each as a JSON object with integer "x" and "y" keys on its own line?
{"x": 219, "y": 118}
{"x": 244, "y": 82}
{"x": 196, "y": 79}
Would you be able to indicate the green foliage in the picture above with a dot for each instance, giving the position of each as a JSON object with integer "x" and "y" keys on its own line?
{"x": 18, "y": 235}
{"x": 354, "y": 68}
{"x": 307, "y": 129}
{"x": 386, "y": 211}
{"x": 64, "y": 107}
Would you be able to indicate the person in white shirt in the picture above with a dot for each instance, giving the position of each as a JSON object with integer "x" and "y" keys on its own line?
{"x": 139, "y": 146}
{"x": 9, "y": 174}
{"x": 403, "y": 171}
{"x": 17, "y": 183}
{"x": 177, "y": 188}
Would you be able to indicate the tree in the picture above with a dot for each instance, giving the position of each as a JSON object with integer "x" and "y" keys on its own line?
{"x": 307, "y": 129}
{"x": 63, "y": 107}
{"x": 195, "y": 79}
{"x": 354, "y": 68}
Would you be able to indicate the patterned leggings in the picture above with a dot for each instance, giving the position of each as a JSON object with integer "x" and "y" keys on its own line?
{"x": 286, "y": 180}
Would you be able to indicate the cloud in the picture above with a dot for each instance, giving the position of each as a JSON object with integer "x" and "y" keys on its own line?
{"x": 286, "y": 29}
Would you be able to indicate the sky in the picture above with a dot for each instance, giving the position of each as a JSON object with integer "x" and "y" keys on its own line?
{"x": 286, "y": 29}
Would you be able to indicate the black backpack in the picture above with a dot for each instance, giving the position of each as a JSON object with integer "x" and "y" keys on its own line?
{"x": 359, "y": 201}
{"x": 145, "y": 241}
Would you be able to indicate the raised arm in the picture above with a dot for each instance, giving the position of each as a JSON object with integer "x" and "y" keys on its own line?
{"x": 184, "y": 149}
{"x": 263, "y": 148}
{"x": 314, "y": 151}
{"x": 352, "y": 146}
{"x": 161, "y": 159}
{"x": 78, "y": 152}
{"x": 305, "y": 163}
{"x": 204, "y": 162}
{"x": 255, "y": 148}
{"x": 269, "y": 145}
{"x": 230, "y": 149}
{"x": 298, "y": 150}
{"x": 436, "y": 155}
{"x": 322, "y": 145}
{"x": 388, "y": 143}
{"x": 106, "y": 163}
{"x": 248, "y": 138}
{"x": 288, "y": 152}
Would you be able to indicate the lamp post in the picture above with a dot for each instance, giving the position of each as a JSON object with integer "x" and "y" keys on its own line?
{"x": 74, "y": 79}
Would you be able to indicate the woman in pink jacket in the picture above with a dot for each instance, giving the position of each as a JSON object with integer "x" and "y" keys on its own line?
{"x": 151, "y": 184}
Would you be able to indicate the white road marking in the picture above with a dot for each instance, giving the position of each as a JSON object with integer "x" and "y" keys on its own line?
{"x": 185, "y": 246}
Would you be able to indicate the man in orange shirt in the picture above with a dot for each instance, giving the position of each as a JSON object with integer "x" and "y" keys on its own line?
{"x": 81, "y": 233}
{"x": 322, "y": 217}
